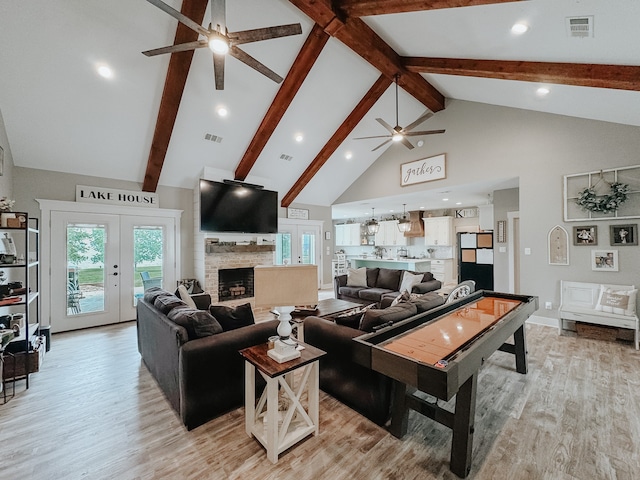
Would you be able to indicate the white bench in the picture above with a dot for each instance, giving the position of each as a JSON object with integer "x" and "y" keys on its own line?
{"x": 578, "y": 303}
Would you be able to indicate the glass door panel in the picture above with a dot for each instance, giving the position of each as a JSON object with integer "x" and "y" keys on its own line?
{"x": 148, "y": 246}
{"x": 283, "y": 248}
{"x": 85, "y": 268}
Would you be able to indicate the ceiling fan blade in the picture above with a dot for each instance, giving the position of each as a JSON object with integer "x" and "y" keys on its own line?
{"x": 405, "y": 141}
{"x": 258, "y": 34}
{"x": 182, "y": 47}
{"x": 247, "y": 59}
{"x": 180, "y": 17}
{"x": 417, "y": 122}
{"x": 426, "y": 132}
{"x": 218, "y": 70}
{"x": 386, "y": 125}
{"x": 219, "y": 15}
{"x": 375, "y": 136}
{"x": 381, "y": 145}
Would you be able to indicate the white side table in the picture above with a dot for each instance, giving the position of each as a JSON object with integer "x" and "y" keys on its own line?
{"x": 279, "y": 430}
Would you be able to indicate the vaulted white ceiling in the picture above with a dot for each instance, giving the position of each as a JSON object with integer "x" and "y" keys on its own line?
{"x": 60, "y": 115}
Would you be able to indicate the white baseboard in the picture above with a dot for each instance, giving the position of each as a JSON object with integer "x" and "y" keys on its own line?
{"x": 546, "y": 321}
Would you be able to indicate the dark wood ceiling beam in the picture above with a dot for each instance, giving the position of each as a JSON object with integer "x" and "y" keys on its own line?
{"x": 306, "y": 58}
{"x": 621, "y": 77}
{"x": 361, "y": 8}
{"x": 357, "y": 35}
{"x": 177, "y": 73}
{"x": 358, "y": 113}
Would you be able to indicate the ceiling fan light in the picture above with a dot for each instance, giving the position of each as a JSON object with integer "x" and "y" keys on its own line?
{"x": 218, "y": 45}
{"x": 396, "y": 137}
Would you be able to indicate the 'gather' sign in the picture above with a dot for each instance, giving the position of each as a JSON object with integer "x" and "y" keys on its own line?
{"x": 424, "y": 170}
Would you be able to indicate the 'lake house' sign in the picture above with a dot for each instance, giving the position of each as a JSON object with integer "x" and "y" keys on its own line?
{"x": 112, "y": 196}
{"x": 424, "y": 170}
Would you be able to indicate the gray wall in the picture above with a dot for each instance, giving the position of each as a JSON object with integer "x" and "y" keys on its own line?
{"x": 485, "y": 142}
{"x": 6, "y": 180}
{"x": 504, "y": 201}
{"x": 29, "y": 184}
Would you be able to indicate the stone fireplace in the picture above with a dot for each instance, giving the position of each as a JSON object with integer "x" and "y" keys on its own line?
{"x": 229, "y": 271}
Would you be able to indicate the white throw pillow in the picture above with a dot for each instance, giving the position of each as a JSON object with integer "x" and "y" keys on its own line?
{"x": 186, "y": 298}
{"x": 409, "y": 280}
{"x": 357, "y": 277}
{"x": 621, "y": 302}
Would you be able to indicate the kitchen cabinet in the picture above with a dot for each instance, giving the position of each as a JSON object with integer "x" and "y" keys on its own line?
{"x": 389, "y": 236}
{"x": 438, "y": 231}
{"x": 443, "y": 270}
{"x": 348, "y": 235}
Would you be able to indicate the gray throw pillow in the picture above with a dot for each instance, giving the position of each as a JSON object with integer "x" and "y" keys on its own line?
{"x": 197, "y": 323}
{"x": 166, "y": 303}
{"x": 231, "y": 318}
{"x": 152, "y": 293}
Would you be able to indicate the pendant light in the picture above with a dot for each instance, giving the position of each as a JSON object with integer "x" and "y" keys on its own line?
{"x": 372, "y": 225}
{"x": 404, "y": 224}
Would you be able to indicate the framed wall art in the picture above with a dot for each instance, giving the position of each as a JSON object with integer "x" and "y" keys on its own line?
{"x": 604, "y": 260}
{"x": 622, "y": 235}
{"x": 585, "y": 235}
{"x": 558, "y": 246}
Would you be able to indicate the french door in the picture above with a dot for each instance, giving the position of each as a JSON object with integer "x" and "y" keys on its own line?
{"x": 299, "y": 243}
{"x": 98, "y": 262}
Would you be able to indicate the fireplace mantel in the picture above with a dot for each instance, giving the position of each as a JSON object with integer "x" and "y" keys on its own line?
{"x": 212, "y": 248}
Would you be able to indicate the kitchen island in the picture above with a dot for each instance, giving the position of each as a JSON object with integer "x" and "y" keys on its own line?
{"x": 413, "y": 264}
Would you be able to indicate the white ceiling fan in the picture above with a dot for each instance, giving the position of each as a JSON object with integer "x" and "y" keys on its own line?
{"x": 399, "y": 134}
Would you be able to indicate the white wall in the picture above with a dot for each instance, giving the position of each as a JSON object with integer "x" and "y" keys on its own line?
{"x": 487, "y": 142}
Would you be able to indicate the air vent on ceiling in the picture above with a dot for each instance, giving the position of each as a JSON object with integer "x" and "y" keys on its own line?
{"x": 213, "y": 138}
{"x": 288, "y": 158}
{"x": 580, "y": 27}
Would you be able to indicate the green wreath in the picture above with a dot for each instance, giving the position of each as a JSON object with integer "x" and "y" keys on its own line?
{"x": 589, "y": 200}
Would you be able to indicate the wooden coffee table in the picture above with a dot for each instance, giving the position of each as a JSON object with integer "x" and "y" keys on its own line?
{"x": 329, "y": 307}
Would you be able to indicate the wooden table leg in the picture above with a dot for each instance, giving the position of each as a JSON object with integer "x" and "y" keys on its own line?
{"x": 463, "y": 427}
{"x": 272, "y": 419}
{"x": 399, "y": 411}
{"x": 521, "y": 350}
{"x": 313, "y": 389}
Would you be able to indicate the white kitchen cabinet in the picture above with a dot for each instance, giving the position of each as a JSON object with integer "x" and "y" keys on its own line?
{"x": 443, "y": 270}
{"x": 348, "y": 235}
{"x": 438, "y": 231}
{"x": 389, "y": 236}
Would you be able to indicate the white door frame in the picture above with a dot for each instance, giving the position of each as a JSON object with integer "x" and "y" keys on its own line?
{"x": 47, "y": 206}
{"x": 513, "y": 249}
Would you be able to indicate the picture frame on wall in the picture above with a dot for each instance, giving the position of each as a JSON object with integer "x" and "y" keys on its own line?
{"x": 604, "y": 260}
{"x": 623, "y": 235}
{"x": 585, "y": 235}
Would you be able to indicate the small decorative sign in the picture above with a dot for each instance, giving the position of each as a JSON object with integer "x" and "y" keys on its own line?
{"x": 112, "y": 196}
{"x": 423, "y": 170}
{"x": 298, "y": 213}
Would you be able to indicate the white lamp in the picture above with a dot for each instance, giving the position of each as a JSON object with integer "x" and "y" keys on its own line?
{"x": 288, "y": 286}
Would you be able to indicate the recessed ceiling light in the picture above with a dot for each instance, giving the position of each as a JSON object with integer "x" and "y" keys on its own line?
{"x": 420, "y": 143}
{"x": 222, "y": 112}
{"x": 445, "y": 199}
{"x": 458, "y": 203}
{"x": 299, "y": 138}
{"x": 519, "y": 28}
{"x": 542, "y": 91}
{"x": 421, "y": 208}
{"x": 348, "y": 155}
{"x": 105, "y": 71}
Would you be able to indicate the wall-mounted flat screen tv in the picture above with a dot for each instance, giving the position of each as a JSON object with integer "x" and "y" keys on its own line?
{"x": 229, "y": 207}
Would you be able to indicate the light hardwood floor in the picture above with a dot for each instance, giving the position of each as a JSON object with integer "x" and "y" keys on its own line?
{"x": 94, "y": 412}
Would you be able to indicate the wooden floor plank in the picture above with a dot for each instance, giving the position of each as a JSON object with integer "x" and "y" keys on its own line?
{"x": 94, "y": 412}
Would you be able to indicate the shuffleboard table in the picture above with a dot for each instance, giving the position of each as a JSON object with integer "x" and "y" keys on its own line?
{"x": 440, "y": 353}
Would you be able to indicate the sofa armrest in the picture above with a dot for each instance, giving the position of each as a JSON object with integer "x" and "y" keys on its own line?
{"x": 339, "y": 281}
{"x": 212, "y": 372}
{"x": 425, "y": 287}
